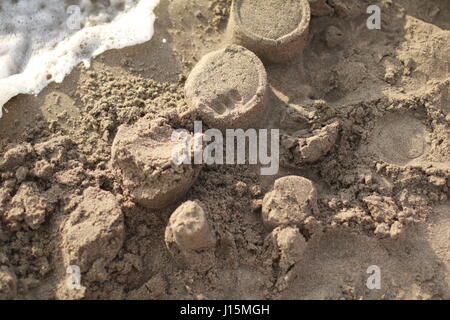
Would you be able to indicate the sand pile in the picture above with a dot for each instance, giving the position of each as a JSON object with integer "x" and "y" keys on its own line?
{"x": 142, "y": 155}
{"x": 291, "y": 201}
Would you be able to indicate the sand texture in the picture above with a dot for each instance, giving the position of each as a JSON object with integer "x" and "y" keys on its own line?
{"x": 364, "y": 119}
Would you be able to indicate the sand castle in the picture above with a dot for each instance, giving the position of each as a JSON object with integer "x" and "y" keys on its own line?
{"x": 275, "y": 31}
{"x": 227, "y": 89}
{"x": 142, "y": 159}
{"x": 292, "y": 200}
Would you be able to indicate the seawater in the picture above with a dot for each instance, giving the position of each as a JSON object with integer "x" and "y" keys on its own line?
{"x": 41, "y": 41}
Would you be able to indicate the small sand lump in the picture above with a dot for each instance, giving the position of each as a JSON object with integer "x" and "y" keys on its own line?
{"x": 142, "y": 158}
{"x": 94, "y": 230}
{"x": 291, "y": 245}
{"x": 312, "y": 149}
{"x": 189, "y": 229}
{"x": 228, "y": 88}
{"x": 29, "y": 205}
{"x": 291, "y": 201}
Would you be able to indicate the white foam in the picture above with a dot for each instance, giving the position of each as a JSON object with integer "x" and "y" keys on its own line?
{"x": 40, "y": 43}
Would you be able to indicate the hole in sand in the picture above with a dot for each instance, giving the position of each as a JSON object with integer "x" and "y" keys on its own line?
{"x": 399, "y": 139}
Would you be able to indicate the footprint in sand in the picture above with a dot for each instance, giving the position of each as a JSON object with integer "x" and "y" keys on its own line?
{"x": 399, "y": 139}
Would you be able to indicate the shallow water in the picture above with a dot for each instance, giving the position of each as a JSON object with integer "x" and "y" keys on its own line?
{"x": 41, "y": 41}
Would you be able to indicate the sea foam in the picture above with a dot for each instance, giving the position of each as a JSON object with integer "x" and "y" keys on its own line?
{"x": 41, "y": 41}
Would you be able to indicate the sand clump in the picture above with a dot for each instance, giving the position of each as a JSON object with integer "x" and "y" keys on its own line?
{"x": 228, "y": 88}
{"x": 298, "y": 151}
{"x": 291, "y": 201}
{"x": 94, "y": 232}
{"x": 291, "y": 246}
{"x": 189, "y": 228}
{"x": 189, "y": 236}
{"x": 284, "y": 247}
{"x": 30, "y": 206}
{"x": 275, "y": 30}
{"x": 142, "y": 156}
{"x": 26, "y": 201}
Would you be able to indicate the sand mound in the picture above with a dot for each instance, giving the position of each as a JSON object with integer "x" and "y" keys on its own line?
{"x": 143, "y": 157}
{"x": 291, "y": 201}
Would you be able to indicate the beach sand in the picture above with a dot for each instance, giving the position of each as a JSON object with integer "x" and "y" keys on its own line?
{"x": 382, "y": 177}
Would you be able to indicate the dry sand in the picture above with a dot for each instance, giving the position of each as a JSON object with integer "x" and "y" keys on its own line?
{"x": 365, "y": 117}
